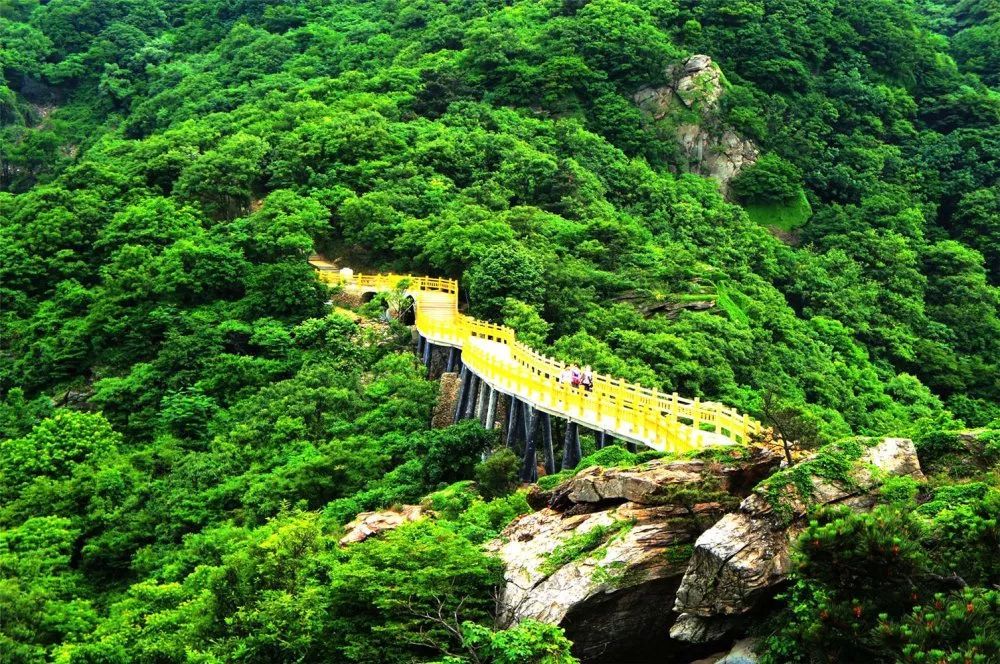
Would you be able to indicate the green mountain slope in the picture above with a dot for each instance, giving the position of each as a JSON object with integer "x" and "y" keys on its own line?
{"x": 167, "y": 167}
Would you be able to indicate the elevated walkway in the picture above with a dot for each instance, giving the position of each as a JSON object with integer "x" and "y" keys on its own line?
{"x": 664, "y": 422}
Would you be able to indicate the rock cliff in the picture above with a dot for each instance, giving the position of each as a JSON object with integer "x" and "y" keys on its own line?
{"x": 606, "y": 556}
{"x": 688, "y": 105}
{"x": 612, "y": 550}
{"x": 746, "y": 555}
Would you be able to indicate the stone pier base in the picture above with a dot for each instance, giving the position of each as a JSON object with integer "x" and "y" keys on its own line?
{"x": 444, "y": 409}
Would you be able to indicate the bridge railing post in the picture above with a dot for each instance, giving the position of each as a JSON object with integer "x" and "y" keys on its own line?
{"x": 653, "y": 417}
{"x": 674, "y": 408}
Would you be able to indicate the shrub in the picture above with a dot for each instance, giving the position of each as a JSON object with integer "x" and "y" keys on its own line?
{"x": 958, "y": 627}
{"x": 770, "y": 180}
{"x": 962, "y": 531}
{"x": 850, "y": 568}
{"x": 934, "y": 445}
{"x": 483, "y": 520}
{"x": 529, "y": 642}
{"x": 898, "y": 490}
{"x": 453, "y": 453}
{"x": 611, "y": 456}
{"x": 990, "y": 441}
{"x": 452, "y": 500}
{"x": 497, "y": 475}
{"x": 548, "y": 482}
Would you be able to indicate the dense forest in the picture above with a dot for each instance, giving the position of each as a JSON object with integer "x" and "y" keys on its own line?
{"x": 186, "y": 426}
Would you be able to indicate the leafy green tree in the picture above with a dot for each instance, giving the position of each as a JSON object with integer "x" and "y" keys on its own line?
{"x": 977, "y": 220}
{"x": 54, "y": 446}
{"x": 167, "y": 167}
{"x": 770, "y": 179}
{"x": 225, "y": 180}
{"x": 453, "y": 453}
{"x": 497, "y": 475}
{"x": 853, "y": 570}
{"x": 502, "y": 272}
{"x": 529, "y": 641}
{"x": 18, "y": 415}
{"x": 526, "y": 321}
{"x": 40, "y": 589}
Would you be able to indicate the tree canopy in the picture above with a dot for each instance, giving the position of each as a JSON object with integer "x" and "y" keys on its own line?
{"x": 185, "y": 426}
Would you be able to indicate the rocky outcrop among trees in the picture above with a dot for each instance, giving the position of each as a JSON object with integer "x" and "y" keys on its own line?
{"x": 746, "y": 555}
{"x": 370, "y": 524}
{"x": 605, "y": 557}
{"x": 614, "y": 549}
{"x": 688, "y": 106}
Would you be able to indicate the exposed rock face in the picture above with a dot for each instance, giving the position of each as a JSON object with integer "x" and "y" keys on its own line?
{"x": 444, "y": 409}
{"x": 604, "y": 560}
{"x": 743, "y": 557}
{"x": 691, "y": 98}
{"x": 646, "y": 484}
{"x": 697, "y": 81}
{"x": 720, "y": 156}
{"x": 742, "y": 652}
{"x": 368, "y": 524}
{"x": 650, "y": 306}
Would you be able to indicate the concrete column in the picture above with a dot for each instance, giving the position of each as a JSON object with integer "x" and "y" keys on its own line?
{"x": 452, "y": 359}
{"x": 428, "y": 349}
{"x": 463, "y": 388}
{"x": 601, "y": 439}
{"x": 515, "y": 430}
{"x": 511, "y": 419}
{"x": 491, "y": 409}
{"x": 481, "y": 397}
{"x": 550, "y": 455}
{"x": 470, "y": 399}
{"x": 571, "y": 446}
{"x": 527, "y": 412}
{"x": 529, "y": 467}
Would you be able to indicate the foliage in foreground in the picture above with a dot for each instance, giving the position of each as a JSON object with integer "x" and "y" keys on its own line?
{"x": 903, "y": 583}
{"x": 218, "y": 538}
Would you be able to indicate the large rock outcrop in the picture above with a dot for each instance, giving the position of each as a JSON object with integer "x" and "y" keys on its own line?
{"x": 746, "y": 555}
{"x": 369, "y": 524}
{"x": 605, "y": 558}
{"x": 688, "y": 105}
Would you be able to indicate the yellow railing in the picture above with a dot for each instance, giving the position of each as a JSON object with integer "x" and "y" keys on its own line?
{"x": 665, "y": 422}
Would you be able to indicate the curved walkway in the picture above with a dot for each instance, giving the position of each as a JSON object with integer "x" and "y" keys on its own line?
{"x": 665, "y": 422}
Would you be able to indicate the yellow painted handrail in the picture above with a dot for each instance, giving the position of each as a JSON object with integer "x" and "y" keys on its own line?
{"x": 665, "y": 422}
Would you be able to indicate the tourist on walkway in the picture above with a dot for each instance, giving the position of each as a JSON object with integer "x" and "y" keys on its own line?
{"x": 575, "y": 374}
{"x": 587, "y": 378}
{"x": 566, "y": 376}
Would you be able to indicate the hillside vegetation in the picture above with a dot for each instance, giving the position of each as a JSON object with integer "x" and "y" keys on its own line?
{"x": 186, "y": 428}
